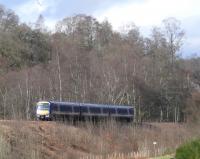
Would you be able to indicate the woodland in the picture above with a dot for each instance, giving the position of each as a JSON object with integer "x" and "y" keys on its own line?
{"x": 84, "y": 60}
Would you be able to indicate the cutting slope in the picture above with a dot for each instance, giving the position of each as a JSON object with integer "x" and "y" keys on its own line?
{"x": 42, "y": 139}
{"x": 54, "y": 140}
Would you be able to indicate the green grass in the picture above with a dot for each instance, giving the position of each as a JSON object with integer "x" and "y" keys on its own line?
{"x": 190, "y": 150}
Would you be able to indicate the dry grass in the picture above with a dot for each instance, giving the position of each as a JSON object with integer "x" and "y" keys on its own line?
{"x": 131, "y": 155}
{"x": 35, "y": 140}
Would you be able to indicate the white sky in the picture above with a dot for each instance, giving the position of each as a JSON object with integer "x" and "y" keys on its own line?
{"x": 149, "y": 12}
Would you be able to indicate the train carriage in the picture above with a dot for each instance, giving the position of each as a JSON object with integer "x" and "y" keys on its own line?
{"x": 53, "y": 110}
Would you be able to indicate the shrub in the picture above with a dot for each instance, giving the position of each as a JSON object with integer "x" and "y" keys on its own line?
{"x": 190, "y": 150}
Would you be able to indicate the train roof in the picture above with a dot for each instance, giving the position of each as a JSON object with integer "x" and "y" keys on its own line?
{"x": 90, "y": 104}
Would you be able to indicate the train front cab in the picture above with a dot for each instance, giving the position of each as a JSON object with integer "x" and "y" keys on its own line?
{"x": 43, "y": 110}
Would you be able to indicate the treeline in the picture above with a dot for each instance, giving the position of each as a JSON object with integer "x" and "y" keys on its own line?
{"x": 87, "y": 61}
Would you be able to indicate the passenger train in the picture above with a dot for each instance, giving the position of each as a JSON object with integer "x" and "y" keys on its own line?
{"x": 53, "y": 110}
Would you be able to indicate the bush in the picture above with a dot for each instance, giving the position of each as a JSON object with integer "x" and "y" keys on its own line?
{"x": 189, "y": 150}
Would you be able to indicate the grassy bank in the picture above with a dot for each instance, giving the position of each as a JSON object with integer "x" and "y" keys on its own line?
{"x": 35, "y": 140}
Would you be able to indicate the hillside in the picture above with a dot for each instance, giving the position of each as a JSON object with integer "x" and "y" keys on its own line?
{"x": 41, "y": 139}
{"x": 52, "y": 140}
{"x": 85, "y": 60}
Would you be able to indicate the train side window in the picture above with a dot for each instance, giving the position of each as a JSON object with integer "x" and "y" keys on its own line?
{"x": 84, "y": 109}
{"x": 105, "y": 110}
{"x": 76, "y": 109}
{"x": 95, "y": 110}
{"x": 109, "y": 110}
{"x": 122, "y": 111}
{"x": 131, "y": 111}
{"x": 112, "y": 110}
{"x": 65, "y": 108}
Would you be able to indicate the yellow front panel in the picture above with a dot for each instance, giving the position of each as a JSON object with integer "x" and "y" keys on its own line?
{"x": 42, "y": 112}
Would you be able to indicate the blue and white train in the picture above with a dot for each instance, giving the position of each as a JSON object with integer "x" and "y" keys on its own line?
{"x": 52, "y": 110}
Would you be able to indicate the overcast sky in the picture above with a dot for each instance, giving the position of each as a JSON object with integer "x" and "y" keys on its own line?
{"x": 144, "y": 13}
